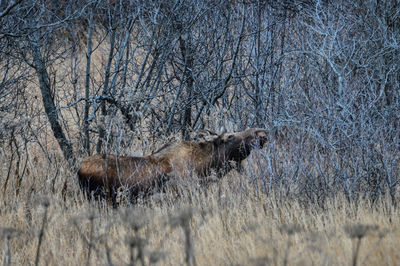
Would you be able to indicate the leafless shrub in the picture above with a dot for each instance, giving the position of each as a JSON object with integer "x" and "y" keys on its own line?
{"x": 135, "y": 219}
{"x": 91, "y": 239}
{"x": 182, "y": 220}
{"x": 322, "y": 75}
{"x": 358, "y": 232}
{"x": 8, "y": 233}
{"x": 290, "y": 230}
{"x": 45, "y": 203}
{"x": 122, "y": 77}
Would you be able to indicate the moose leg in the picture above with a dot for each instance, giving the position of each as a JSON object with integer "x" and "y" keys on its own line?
{"x": 111, "y": 196}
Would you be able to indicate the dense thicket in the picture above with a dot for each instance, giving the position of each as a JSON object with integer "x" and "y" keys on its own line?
{"x": 322, "y": 75}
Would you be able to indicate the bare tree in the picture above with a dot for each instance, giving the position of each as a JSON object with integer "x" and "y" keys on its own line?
{"x": 322, "y": 75}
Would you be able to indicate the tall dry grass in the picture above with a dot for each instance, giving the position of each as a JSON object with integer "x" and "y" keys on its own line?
{"x": 226, "y": 223}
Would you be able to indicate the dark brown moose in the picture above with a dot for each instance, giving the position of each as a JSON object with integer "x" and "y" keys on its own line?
{"x": 103, "y": 175}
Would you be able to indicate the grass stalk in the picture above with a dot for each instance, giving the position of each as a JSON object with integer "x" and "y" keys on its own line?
{"x": 90, "y": 242}
{"x": 46, "y": 205}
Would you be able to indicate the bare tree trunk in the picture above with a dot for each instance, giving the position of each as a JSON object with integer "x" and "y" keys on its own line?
{"x": 187, "y": 54}
{"x": 48, "y": 103}
{"x": 259, "y": 71}
{"x": 106, "y": 90}
{"x": 87, "y": 84}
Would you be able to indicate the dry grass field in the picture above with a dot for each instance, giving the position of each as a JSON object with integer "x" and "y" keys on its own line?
{"x": 227, "y": 223}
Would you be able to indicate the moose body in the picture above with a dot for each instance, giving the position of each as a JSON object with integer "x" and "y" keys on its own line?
{"x": 103, "y": 175}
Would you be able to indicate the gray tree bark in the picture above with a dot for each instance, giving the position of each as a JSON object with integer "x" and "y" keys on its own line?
{"x": 48, "y": 103}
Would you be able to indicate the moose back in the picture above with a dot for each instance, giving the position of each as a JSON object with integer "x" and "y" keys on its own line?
{"x": 102, "y": 176}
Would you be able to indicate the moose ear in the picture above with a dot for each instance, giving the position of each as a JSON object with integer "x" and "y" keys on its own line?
{"x": 261, "y": 134}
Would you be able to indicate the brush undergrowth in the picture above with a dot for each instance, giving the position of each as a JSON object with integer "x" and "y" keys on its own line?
{"x": 228, "y": 222}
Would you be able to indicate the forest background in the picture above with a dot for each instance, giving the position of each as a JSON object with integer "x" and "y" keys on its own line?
{"x": 125, "y": 77}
